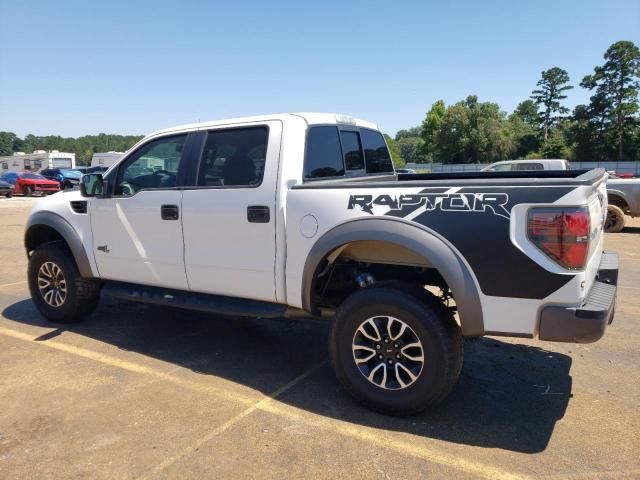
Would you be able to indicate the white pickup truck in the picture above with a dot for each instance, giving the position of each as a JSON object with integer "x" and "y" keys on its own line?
{"x": 302, "y": 214}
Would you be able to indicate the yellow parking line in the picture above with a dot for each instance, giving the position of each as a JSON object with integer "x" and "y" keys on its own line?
{"x": 213, "y": 390}
{"x": 268, "y": 404}
{"x": 229, "y": 423}
{"x": 14, "y": 283}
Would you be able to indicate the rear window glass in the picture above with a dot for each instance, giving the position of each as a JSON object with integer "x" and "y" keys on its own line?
{"x": 324, "y": 155}
{"x": 352, "y": 150}
{"x": 376, "y": 154}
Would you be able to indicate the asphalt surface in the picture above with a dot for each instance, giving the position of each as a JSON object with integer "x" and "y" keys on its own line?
{"x": 141, "y": 391}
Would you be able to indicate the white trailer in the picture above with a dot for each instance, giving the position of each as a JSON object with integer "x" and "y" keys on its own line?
{"x": 37, "y": 161}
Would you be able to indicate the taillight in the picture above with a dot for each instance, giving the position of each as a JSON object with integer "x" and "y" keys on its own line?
{"x": 561, "y": 233}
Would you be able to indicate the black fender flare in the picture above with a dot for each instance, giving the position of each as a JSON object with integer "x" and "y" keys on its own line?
{"x": 424, "y": 241}
{"x": 66, "y": 231}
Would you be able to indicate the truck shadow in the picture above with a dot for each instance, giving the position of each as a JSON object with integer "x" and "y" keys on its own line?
{"x": 509, "y": 396}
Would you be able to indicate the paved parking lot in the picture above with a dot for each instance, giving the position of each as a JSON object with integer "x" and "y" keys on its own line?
{"x": 141, "y": 391}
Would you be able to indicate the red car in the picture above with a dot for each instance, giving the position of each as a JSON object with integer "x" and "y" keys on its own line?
{"x": 28, "y": 183}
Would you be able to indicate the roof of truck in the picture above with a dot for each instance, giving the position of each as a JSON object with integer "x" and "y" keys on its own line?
{"x": 311, "y": 118}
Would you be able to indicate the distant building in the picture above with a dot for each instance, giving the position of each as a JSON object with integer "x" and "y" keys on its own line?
{"x": 105, "y": 159}
{"x": 37, "y": 161}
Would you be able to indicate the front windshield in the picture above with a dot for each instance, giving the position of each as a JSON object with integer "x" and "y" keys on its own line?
{"x": 33, "y": 176}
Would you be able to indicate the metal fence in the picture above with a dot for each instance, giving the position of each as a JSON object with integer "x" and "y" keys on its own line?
{"x": 620, "y": 167}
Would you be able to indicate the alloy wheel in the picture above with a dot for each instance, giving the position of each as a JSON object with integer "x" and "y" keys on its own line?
{"x": 388, "y": 352}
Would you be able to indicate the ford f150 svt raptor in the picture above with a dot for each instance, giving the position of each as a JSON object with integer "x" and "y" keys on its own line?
{"x": 303, "y": 214}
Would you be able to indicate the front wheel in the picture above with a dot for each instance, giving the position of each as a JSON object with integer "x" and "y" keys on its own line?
{"x": 9, "y": 194}
{"x": 58, "y": 291}
{"x": 397, "y": 351}
{"x": 27, "y": 191}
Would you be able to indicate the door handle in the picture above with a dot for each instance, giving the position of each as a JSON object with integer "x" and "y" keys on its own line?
{"x": 258, "y": 214}
{"x": 169, "y": 212}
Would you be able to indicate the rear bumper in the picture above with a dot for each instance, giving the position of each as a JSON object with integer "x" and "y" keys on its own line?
{"x": 587, "y": 322}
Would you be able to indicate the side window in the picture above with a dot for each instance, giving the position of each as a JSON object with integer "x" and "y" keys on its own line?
{"x": 352, "y": 150}
{"x": 376, "y": 154}
{"x": 530, "y": 166}
{"x": 154, "y": 165}
{"x": 234, "y": 157}
{"x": 503, "y": 167}
{"x": 324, "y": 154}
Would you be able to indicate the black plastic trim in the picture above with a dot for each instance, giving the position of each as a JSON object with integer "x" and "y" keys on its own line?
{"x": 587, "y": 322}
{"x": 218, "y": 304}
{"x": 67, "y": 232}
{"x": 421, "y": 240}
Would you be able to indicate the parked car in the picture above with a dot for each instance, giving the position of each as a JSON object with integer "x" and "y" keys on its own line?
{"x": 29, "y": 183}
{"x": 66, "y": 177}
{"x": 96, "y": 169}
{"x": 535, "y": 164}
{"x": 623, "y": 190}
{"x": 303, "y": 215}
{"x": 624, "y": 199}
{"x": 6, "y": 189}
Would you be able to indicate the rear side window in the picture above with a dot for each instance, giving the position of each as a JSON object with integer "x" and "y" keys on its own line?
{"x": 376, "y": 154}
{"x": 234, "y": 157}
{"x": 529, "y": 166}
{"x": 352, "y": 150}
{"x": 324, "y": 155}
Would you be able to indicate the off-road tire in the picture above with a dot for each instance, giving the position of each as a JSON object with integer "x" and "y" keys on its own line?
{"x": 434, "y": 326}
{"x": 82, "y": 294}
{"x": 615, "y": 219}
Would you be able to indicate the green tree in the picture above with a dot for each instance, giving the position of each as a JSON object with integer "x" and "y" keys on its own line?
{"x": 614, "y": 105}
{"x": 524, "y": 124}
{"x": 396, "y": 157}
{"x": 409, "y": 133}
{"x": 7, "y": 141}
{"x": 431, "y": 127}
{"x": 552, "y": 85}
{"x": 473, "y": 132}
{"x": 412, "y": 149}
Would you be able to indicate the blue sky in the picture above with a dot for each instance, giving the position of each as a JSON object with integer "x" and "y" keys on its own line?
{"x": 72, "y": 68}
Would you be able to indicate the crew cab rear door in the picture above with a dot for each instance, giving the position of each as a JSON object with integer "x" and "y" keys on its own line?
{"x": 137, "y": 231}
{"x": 229, "y": 212}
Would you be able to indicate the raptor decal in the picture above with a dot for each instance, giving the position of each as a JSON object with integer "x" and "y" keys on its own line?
{"x": 424, "y": 202}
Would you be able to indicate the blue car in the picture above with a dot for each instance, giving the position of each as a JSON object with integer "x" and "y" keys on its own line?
{"x": 6, "y": 189}
{"x": 68, "y": 178}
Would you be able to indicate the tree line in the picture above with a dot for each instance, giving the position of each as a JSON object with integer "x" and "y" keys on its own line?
{"x": 471, "y": 131}
{"x": 84, "y": 147}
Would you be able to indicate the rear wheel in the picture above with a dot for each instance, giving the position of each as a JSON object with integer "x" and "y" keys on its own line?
{"x": 27, "y": 191}
{"x": 9, "y": 194}
{"x": 615, "y": 219}
{"x": 58, "y": 291}
{"x": 398, "y": 353}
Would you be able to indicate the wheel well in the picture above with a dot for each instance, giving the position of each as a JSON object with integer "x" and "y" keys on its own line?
{"x": 41, "y": 234}
{"x": 361, "y": 263}
{"x": 618, "y": 201}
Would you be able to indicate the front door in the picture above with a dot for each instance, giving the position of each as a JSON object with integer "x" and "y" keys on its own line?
{"x": 137, "y": 233}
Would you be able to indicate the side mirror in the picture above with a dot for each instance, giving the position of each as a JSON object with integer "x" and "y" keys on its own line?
{"x": 93, "y": 185}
